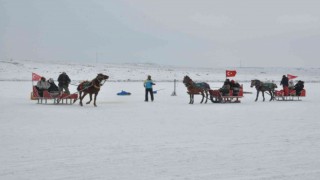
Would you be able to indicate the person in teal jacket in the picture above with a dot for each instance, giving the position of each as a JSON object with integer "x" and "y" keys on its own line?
{"x": 148, "y": 83}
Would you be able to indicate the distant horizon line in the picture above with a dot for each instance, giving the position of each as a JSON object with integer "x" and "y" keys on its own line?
{"x": 152, "y": 63}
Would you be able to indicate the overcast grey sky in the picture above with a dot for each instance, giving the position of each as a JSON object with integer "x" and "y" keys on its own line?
{"x": 205, "y": 33}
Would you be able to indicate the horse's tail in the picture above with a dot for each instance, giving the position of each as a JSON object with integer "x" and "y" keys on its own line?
{"x": 80, "y": 86}
{"x": 207, "y": 86}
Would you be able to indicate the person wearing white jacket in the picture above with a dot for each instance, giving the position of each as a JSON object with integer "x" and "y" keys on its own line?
{"x": 42, "y": 85}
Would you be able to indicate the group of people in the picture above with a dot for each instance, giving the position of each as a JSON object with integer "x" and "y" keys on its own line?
{"x": 230, "y": 85}
{"x": 235, "y": 87}
{"x": 51, "y": 87}
{"x": 64, "y": 82}
{"x": 288, "y": 85}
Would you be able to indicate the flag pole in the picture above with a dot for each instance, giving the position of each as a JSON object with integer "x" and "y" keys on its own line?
{"x": 31, "y": 85}
{"x": 226, "y": 74}
{"x": 32, "y": 80}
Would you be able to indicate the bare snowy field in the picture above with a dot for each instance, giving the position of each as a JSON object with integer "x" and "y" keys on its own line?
{"x": 127, "y": 138}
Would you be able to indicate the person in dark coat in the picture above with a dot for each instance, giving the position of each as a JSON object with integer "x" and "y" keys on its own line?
{"x": 299, "y": 87}
{"x": 225, "y": 88}
{"x": 53, "y": 87}
{"x": 235, "y": 87}
{"x": 64, "y": 82}
{"x": 285, "y": 84}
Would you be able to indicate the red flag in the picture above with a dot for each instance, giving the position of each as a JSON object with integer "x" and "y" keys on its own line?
{"x": 35, "y": 77}
{"x": 231, "y": 73}
{"x": 291, "y": 76}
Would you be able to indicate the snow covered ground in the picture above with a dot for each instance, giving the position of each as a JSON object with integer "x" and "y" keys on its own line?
{"x": 127, "y": 138}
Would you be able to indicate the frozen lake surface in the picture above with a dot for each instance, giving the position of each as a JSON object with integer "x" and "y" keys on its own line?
{"x": 127, "y": 138}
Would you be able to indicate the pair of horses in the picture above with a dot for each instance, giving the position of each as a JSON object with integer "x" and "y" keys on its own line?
{"x": 91, "y": 88}
{"x": 203, "y": 89}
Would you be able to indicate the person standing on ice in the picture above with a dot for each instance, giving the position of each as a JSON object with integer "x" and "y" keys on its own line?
{"x": 285, "y": 84}
{"x": 148, "y": 83}
{"x": 64, "y": 81}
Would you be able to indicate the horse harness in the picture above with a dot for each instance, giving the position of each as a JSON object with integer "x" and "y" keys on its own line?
{"x": 87, "y": 84}
{"x": 101, "y": 83}
{"x": 263, "y": 86}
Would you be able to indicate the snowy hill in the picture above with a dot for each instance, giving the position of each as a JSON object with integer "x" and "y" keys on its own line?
{"x": 21, "y": 71}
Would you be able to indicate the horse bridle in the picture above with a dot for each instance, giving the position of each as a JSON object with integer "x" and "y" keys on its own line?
{"x": 101, "y": 82}
{"x": 255, "y": 83}
{"x": 188, "y": 84}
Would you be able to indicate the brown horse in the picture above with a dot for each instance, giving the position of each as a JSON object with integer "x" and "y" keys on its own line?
{"x": 196, "y": 88}
{"x": 261, "y": 86}
{"x": 91, "y": 87}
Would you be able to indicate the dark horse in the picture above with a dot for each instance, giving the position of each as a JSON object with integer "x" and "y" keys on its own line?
{"x": 260, "y": 86}
{"x": 91, "y": 87}
{"x": 196, "y": 88}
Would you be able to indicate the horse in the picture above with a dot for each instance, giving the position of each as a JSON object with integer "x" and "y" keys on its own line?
{"x": 196, "y": 88}
{"x": 91, "y": 87}
{"x": 260, "y": 86}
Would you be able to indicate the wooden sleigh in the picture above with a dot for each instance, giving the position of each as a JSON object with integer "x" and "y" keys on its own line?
{"x": 292, "y": 95}
{"x": 217, "y": 97}
{"x": 55, "y": 98}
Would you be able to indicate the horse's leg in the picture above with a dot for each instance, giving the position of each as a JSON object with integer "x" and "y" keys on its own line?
{"x": 271, "y": 94}
{"x": 211, "y": 96}
{"x": 192, "y": 98}
{"x": 263, "y": 95}
{"x": 94, "y": 100}
{"x": 257, "y": 95}
{"x": 84, "y": 95}
{"x": 90, "y": 95}
{"x": 202, "y": 97}
{"x": 80, "y": 102}
{"x": 80, "y": 93}
{"x": 206, "y": 92}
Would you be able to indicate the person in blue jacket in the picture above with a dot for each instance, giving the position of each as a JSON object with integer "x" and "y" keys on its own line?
{"x": 148, "y": 83}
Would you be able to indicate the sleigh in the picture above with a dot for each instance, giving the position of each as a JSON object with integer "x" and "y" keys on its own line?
{"x": 217, "y": 96}
{"x": 292, "y": 95}
{"x": 55, "y": 97}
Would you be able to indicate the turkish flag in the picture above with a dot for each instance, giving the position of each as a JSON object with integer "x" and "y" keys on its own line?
{"x": 231, "y": 73}
{"x": 35, "y": 77}
{"x": 291, "y": 76}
